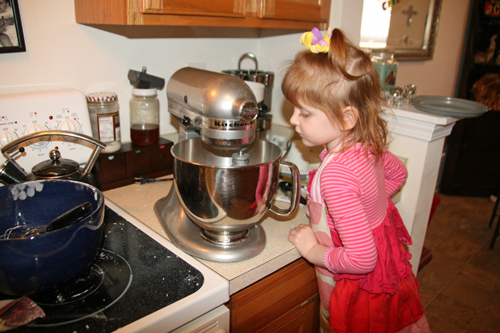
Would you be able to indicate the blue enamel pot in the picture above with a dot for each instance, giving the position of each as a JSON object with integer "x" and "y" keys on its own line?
{"x": 37, "y": 262}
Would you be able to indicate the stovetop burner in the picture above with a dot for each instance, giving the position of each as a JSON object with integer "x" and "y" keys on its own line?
{"x": 132, "y": 277}
{"x": 104, "y": 283}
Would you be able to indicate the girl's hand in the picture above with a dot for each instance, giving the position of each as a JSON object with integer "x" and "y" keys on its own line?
{"x": 306, "y": 243}
{"x": 303, "y": 238}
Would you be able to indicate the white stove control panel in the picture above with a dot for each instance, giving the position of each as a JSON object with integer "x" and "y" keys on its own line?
{"x": 31, "y": 112}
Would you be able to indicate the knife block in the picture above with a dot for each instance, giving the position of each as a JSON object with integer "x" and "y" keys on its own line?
{"x": 122, "y": 167}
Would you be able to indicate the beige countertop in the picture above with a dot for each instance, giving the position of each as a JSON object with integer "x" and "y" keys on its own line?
{"x": 138, "y": 200}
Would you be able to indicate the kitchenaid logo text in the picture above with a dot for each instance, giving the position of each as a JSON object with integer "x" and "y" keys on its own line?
{"x": 228, "y": 124}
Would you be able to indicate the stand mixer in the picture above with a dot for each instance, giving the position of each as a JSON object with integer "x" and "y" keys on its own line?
{"x": 225, "y": 180}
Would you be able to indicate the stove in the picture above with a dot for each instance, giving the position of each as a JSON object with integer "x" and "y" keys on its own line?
{"x": 26, "y": 113}
{"x": 139, "y": 281}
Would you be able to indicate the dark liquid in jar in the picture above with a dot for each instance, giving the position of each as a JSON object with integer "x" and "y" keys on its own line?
{"x": 144, "y": 134}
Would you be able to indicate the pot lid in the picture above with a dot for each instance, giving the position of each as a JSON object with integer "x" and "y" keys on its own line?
{"x": 55, "y": 167}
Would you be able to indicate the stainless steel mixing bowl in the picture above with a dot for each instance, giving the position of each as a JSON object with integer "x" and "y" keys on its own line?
{"x": 222, "y": 192}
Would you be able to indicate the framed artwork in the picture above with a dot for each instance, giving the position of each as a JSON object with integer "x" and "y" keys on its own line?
{"x": 11, "y": 30}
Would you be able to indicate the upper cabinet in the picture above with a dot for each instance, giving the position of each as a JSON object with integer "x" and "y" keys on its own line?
{"x": 217, "y": 8}
{"x": 316, "y": 12}
{"x": 157, "y": 18}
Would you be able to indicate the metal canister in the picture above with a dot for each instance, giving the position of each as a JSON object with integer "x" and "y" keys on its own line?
{"x": 264, "y": 77}
{"x": 264, "y": 119}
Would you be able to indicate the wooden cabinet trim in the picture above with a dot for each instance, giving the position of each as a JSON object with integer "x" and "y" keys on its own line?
{"x": 101, "y": 12}
{"x": 261, "y": 303}
{"x": 303, "y": 10}
{"x": 220, "y": 8}
{"x": 303, "y": 318}
{"x": 144, "y": 18}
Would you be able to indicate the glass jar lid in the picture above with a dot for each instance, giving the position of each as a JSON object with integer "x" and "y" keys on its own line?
{"x": 383, "y": 54}
{"x": 102, "y": 97}
{"x": 144, "y": 92}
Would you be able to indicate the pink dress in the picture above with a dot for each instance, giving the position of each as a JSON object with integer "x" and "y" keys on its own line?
{"x": 383, "y": 300}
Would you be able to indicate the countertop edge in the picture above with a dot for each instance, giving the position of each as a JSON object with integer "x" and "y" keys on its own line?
{"x": 248, "y": 278}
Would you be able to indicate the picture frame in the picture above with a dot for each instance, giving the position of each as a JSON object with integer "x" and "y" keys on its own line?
{"x": 11, "y": 30}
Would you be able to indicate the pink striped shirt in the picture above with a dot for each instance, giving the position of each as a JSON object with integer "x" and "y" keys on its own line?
{"x": 355, "y": 192}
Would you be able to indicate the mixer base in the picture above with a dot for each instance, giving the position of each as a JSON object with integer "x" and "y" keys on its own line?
{"x": 187, "y": 236}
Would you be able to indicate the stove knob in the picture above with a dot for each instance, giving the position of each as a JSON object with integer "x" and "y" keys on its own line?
{"x": 70, "y": 126}
{"x": 7, "y": 137}
{"x": 35, "y": 129}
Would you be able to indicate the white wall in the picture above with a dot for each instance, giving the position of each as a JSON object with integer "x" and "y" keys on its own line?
{"x": 62, "y": 53}
{"x": 439, "y": 76}
{"x": 432, "y": 77}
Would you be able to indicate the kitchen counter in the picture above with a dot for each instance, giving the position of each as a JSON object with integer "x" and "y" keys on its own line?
{"x": 410, "y": 112}
{"x": 417, "y": 138}
{"x": 138, "y": 200}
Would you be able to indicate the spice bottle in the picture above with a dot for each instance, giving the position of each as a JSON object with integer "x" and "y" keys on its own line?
{"x": 104, "y": 113}
{"x": 144, "y": 116}
{"x": 386, "y": 66}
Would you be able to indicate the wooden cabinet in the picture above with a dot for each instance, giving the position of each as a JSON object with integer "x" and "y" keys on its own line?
{"x": 132, "y": 161}
{"x": 286, "y": 301}
{"x": 472, "y": 166}
{"x": 220, "y": 8}
{"x": 149, "y": 18}
{"x": 314, "y": 11}
{"x": 472, "y": 163}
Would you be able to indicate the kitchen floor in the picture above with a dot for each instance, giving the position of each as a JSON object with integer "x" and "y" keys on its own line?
{"x": 460, "y": 285}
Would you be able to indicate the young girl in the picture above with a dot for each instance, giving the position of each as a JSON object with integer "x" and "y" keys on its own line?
{"x": 355, "y": 235}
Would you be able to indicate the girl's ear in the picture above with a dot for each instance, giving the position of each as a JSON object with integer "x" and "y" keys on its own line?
{"x": 350, "y": 117}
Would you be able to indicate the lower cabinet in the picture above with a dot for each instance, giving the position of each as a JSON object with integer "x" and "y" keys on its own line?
{"x": 472, "y": 163}
{"x": 286, "y": 301}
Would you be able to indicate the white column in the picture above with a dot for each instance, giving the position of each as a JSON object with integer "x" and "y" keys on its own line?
{"x": 418, "y": 138}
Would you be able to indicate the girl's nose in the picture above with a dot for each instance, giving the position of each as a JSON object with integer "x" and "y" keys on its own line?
{"x": 294, "y": 118}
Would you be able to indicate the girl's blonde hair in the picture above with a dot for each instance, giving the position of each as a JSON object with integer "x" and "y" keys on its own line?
{"x": 330, "y": 82}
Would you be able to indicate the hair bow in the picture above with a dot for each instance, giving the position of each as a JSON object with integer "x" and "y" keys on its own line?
{"x": 315, "y": 41}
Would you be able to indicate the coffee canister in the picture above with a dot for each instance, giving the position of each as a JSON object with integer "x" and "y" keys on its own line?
{"x": 104, "y": 112}
{"x": 144, "y": 116}
{"x": 387, "y": 68}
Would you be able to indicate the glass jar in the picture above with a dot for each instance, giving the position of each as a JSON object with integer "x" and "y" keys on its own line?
{"x": 104, "y": 113}
{"x": 387, "y": 68}
{"x": 144, "y": 117}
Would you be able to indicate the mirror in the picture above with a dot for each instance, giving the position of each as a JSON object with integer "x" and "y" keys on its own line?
{"x": 409, "y": 27}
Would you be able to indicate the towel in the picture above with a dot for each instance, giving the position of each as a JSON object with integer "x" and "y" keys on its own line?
{"x": 18, "y": 312}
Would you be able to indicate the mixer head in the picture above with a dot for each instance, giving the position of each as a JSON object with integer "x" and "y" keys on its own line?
{"x": 220, "y": 108}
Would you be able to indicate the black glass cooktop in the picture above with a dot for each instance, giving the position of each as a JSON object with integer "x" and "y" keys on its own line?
{"x": 131, "y": 277}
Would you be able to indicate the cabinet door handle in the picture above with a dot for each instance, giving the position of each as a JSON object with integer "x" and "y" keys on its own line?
{"x": 304, "y": 304}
